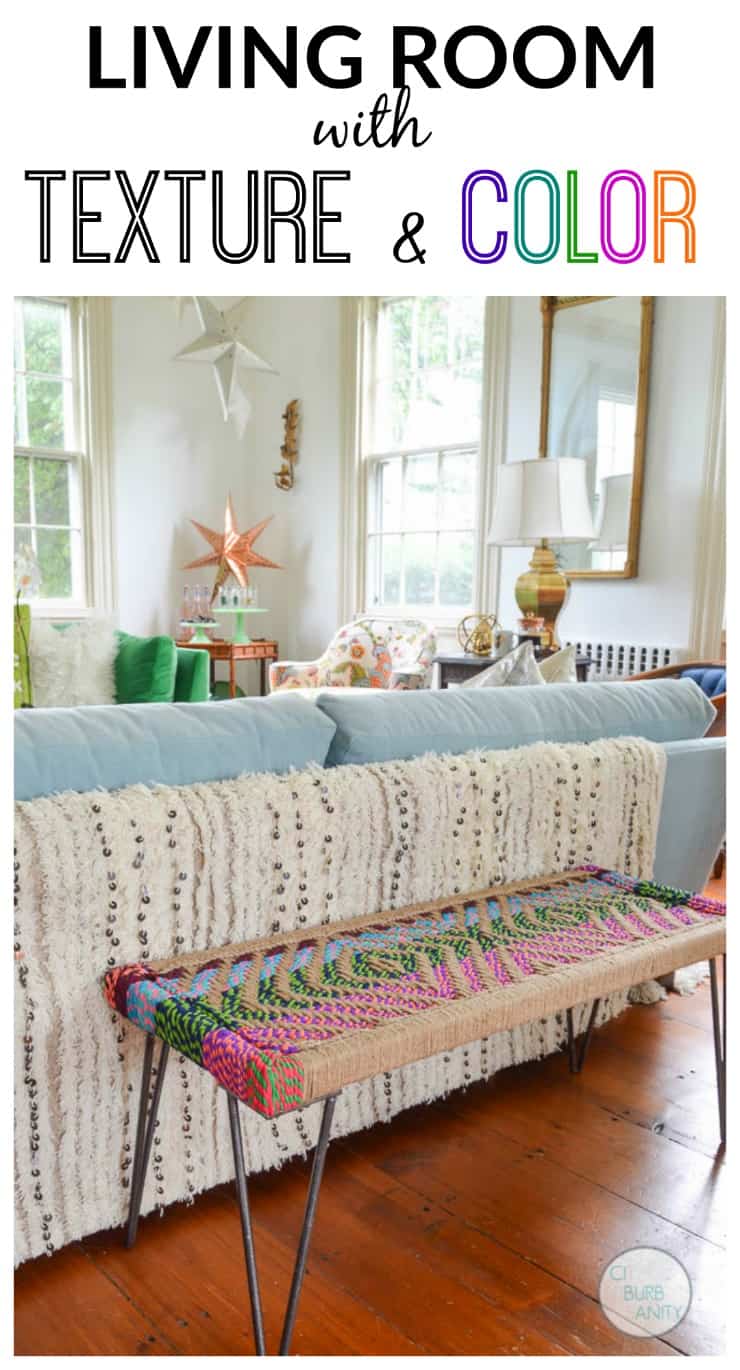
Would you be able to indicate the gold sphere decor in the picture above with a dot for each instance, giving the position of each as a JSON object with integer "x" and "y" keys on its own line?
{"x": 475, "y": 633}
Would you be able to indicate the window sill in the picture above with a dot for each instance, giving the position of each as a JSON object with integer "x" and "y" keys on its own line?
{"x": 442, "y": 625}
{"x": 64, "y": 613}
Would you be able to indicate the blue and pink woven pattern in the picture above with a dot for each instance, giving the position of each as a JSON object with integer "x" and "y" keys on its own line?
{"x": 250, "y": 1013}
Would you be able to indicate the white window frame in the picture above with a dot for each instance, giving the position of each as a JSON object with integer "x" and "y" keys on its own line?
{"x": 359, "y": 321}
{"x": 373, "y": 464}
{"x": 91, "y": 460}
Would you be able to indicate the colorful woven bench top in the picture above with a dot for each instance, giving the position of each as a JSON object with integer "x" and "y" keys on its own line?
{"x": 284, "y": 1020}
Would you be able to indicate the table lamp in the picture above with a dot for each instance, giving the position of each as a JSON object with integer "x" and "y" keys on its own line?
{"x": 537, "y": 502}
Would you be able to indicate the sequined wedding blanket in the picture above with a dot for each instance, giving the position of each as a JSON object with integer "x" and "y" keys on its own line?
{"x": 103, "y": 878}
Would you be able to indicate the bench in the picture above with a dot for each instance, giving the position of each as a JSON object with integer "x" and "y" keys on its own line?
{"x": 285, "y": 1021}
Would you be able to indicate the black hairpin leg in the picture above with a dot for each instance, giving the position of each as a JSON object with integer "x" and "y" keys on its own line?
{"x": 719, "y": 1025}
{"x": 577, "y": 1053}
{"x": 145, "y": 1128}
{"x": 317, "y": 1171}
{"x": 247, "y": 1236}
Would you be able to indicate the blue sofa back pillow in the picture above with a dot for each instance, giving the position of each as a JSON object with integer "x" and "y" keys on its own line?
{"x": 384, "y": 725}
{"x": 113, "y": 745}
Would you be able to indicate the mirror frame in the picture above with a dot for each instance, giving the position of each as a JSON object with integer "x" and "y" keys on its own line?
{"x": 550, "y": 305}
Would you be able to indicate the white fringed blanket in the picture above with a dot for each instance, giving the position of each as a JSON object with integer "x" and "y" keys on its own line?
{"x": 103, "y": 878}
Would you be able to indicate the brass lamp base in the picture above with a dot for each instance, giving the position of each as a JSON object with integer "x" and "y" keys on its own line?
{"x": 541, "y": 592}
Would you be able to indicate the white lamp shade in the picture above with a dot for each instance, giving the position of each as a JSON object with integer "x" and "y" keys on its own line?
{"x": 614, "y": 518}
{"x": 542, "y": 498}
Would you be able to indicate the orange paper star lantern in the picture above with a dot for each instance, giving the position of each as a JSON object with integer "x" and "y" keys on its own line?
{"x": 232, "y": 551}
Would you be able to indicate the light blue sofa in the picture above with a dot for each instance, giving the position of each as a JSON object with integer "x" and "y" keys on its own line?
{"x": 112, "y": 746}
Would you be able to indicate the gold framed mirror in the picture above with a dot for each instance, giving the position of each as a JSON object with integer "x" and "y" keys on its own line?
{"x": 594, "y": 403}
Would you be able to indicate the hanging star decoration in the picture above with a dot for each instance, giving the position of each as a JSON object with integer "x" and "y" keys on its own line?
{"x": 233, "y": 552}
{"x": 221, "y": 346}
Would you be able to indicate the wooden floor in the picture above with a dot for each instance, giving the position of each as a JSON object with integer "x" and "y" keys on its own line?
{"x": 475, "y": 1225}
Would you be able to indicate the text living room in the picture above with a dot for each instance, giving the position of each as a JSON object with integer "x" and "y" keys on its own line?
{"x": 278, "y": 564}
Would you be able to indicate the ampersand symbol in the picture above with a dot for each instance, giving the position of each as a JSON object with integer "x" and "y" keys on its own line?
{"x": 411, "y": 224}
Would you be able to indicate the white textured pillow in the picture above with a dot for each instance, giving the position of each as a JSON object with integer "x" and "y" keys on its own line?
{"x": 560, "y": 668}
{"x": 73, "y": 665}
{"x": 516, "y": 668}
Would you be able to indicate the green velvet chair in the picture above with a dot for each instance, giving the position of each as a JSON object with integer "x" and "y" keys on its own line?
{"x": 192, "y": 677}
{"x": 153, "y": 670}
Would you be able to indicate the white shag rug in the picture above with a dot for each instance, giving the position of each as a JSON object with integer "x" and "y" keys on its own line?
{"x": 103, "y": 878}
{"x": 685, "y": 981}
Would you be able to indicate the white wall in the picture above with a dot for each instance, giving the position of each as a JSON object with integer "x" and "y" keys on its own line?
{"x": 656, "y": 606}
{"x": 176, "y": 459}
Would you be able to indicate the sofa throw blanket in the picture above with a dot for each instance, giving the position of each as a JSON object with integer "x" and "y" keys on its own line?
{"x": 103, "y": 878}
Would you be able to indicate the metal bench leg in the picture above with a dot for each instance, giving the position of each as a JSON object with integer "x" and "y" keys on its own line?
{"x": 577, "y": 1054}
{"x": 317, "y": 1171}
{"x": 145, "y": 1129}
{"x": 719, "y": 1025}
{"x": 247, "y": 1235}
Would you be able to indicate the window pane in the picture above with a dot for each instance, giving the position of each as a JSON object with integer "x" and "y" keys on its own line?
{"x": 51, "y": 491}
{"x": 428, "y": 367}
{"x": 18, "y": 335}
{"x": 444, "y": 407}
{"x": 21, "y": 435}
{"x": 43, "y": 327}
{"x": 397, "y": 421}
{"x": 455, "y": 568}
{"x": 420, "y": 508}
{"x": 371, "y": 572}
{"x": 390, "y": 577}
{"x": 45, "y": 402}
{"x": 22, "y": 500}
{"x": 468, "y": 388}
{"x": 22, "y": 540}
{"x": 466, "y": 325}
{"x": 419, "y": 556}
{"x": 456, "y": 492}
{"x": 390, "y": 494}
{"x": 434, "y": 340}
{"x": 54, "y": 551}
{"x": 399, "y": 333}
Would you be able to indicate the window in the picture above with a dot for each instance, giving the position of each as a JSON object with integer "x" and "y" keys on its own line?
{"x": 421, "y": 454}
{"x": 58, "y": 489}
{"x": 615, "y": 427}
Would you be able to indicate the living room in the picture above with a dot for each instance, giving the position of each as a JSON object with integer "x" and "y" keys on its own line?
{"x": 273, "y": 556}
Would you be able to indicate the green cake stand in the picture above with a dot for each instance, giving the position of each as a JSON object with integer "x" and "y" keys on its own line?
{"x": 198, "y": 626}
{"x": 240, "y": 634}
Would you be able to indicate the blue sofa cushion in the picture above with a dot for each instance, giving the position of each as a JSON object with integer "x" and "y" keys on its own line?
{"x": 396, "y": 725}
{"x": 711, "y": 679}
{"x": 110, "y": 746}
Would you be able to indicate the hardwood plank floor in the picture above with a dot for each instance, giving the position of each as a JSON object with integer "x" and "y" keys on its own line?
{"x": 479, "y": 1224}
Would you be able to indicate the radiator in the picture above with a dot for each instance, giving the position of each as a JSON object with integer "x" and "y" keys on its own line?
{"x": 616, "y": 660}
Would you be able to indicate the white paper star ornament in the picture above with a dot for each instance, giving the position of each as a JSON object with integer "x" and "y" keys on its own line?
{"x": 221, "y": 347}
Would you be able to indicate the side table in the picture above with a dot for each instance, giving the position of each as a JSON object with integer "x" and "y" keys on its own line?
{"x": 219, "y": 649}
{"x": 453, "y": 670}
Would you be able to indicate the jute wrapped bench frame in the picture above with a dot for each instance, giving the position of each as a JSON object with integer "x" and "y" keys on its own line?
{"x": 420, "y": 980}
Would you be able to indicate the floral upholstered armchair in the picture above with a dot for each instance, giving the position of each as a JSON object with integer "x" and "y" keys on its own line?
{"x": 370, "y": 653}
